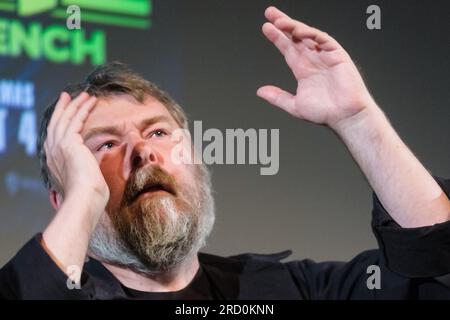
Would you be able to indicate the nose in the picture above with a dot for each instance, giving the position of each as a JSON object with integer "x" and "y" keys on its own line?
{"x": 139, "y": 153}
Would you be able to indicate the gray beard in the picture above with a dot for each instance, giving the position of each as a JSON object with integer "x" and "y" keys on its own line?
{"x": 163, "y": 235}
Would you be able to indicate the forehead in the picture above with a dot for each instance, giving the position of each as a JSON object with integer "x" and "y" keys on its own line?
{"x": 119, "y": 109}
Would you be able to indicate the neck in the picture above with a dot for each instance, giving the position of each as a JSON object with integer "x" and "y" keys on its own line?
{"x": 165, "y": 282}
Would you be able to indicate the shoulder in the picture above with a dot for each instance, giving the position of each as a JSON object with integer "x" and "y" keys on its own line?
{"x": 244, "y": 258}
{"x": 252, "y": 275}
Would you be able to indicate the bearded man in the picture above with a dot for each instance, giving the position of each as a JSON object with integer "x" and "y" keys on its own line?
{"x": 120, "y": 198}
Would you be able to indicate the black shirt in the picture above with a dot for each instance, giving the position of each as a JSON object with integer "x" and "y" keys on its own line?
{"x": 414, "y": 263}
{"x": 200, "y": 288}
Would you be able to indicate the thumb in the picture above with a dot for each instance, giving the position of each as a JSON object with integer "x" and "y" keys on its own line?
{"x": 278, "y": 97}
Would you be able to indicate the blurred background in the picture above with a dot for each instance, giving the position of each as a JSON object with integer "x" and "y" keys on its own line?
{"x": 211, "y": 56}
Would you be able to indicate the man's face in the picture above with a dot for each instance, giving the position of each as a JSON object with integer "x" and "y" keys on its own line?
{"x": 159, "y": 211}
{"x": 125, "y": 135}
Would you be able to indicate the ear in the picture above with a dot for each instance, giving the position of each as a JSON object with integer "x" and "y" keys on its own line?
{"x": 55, "y": 199}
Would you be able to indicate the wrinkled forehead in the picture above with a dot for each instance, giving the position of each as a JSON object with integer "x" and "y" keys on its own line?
{"x": 116, "y": 110}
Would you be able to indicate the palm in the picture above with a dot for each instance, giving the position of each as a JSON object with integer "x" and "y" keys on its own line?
{"x": 329, "y": 85}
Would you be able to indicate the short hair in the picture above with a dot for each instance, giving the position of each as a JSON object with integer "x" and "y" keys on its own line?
{"x": 107, "y": 80}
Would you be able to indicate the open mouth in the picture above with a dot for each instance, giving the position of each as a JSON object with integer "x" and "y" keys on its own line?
{"x": 152, "y": 189}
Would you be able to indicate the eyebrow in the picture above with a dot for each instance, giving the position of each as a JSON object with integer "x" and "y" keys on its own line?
{"x": 115, "y": 131}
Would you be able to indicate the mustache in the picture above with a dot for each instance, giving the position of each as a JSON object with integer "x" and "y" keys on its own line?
{"x": 148, "y": 178}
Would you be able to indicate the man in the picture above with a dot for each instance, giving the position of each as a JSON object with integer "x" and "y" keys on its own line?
{"x": 106, "y": 151}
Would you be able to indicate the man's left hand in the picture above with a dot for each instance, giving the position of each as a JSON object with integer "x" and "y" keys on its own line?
{"x": 329, "y": 86}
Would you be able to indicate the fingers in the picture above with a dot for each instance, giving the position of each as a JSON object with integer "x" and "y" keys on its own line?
{"x": 277, "y": 37}
{"x": 69, "y": 112}
{"x": 76, "y": 123}
{"x": 273, "y": 14}
{"x": 300, "y": 31}
{"x": 68, "y": 117}
{"x": 62, "y": 102}
{"x": 277, "y": 97}
{"x": 296, "y": 31}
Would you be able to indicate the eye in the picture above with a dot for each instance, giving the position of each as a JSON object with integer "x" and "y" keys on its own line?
{"x": 157, "y": 133}
{"x": 106, "y": 146}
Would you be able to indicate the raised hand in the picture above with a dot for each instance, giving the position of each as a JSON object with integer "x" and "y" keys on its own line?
{"x": 330, "y": 91}
{"x": 73, "y": 166}
{"x": 329, "y": 87}
{"x": 80, "y": 182}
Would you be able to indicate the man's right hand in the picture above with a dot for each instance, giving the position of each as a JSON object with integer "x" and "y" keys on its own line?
{"x": 73, "y": 167}
{"x": 79, "y": 181}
